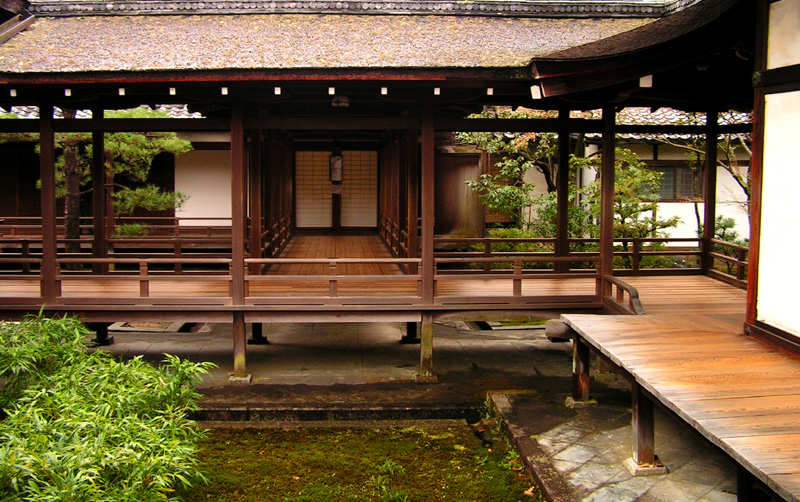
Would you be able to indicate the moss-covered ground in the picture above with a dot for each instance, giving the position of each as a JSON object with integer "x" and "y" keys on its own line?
{"x": 396, "y": 464}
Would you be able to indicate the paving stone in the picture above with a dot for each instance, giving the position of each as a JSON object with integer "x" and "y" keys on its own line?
{"x": 668, "y": 490}
{"x": 718, "y": 496}
{"x": 577, "y": 453}
{"x": 609, "y": 493}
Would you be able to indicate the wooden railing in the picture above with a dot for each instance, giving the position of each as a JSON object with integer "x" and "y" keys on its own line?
{"x": 734, "y": 258}
{"x": 615, "y": 293}
{"x": 340, "y": 281}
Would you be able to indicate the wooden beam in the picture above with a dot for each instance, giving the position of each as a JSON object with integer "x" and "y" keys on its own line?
{"x": 428, "y": 210}
{"x": 98, "y": 168}
{"x": 709, "y": 191}
{"x": 412, "y": 158}
{"x": 607, "y": 197}
{"x": 47, "y": 172}
{"x": 562, "y": 198}
{"x": 757, "y": 164}
{"x": 237, "y": 203}
{"x": 255, "y": 184}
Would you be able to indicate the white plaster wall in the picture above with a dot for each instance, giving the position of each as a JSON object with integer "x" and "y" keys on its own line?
{"x": 784, "y": 35}
{"x": 780, "y": 228}
{"x": 205, "y": 175}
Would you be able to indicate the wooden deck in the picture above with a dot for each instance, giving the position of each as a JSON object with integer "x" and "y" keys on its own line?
{"x": 741, "y": 394}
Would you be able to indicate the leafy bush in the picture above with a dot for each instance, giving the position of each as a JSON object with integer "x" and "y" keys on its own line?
{"x": 96, "y": 429}
{"x": 130, "y": 231}
{"x": 34, "y": 348}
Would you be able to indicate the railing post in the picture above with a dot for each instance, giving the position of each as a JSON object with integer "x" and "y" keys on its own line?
{"x": 635, "y": 257}
{"x": 487, "y": 253}
{"x": 740, "y": 257}
{"x": 178, "y": 252}
{"x": 57, "y": 280}
{"x": 517, "y": 278}
{"x": 332, "y": 282}
{"x": 26, "y": 253}
{"x": 144, "y": 280}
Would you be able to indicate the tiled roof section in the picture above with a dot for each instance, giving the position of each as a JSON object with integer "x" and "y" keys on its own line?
{"x": 298, "y": 41}
{"x": 670, "y": 116}
{"x": 32, "y": 112}
{"x": 515, "y": 8}
{"x": 665, "y": 29}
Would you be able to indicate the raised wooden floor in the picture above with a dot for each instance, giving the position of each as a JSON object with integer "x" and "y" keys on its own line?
{"x": 741, "y": 394}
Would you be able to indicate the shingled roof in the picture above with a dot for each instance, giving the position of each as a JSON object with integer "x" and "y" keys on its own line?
{"x": 221, "y": 42}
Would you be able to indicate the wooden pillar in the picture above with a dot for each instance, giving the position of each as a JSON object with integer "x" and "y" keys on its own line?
{"x": 426, "y": 374}
{"x": 256, "y": 182}
{"x": 562, "y": 197}
{"x": 412, "y": 157}
{"x": 237, "y": 203}
{"x": 428, "y": 156}
{"x": 757, "y": 164}
{"x": 98, "y": 168}
{"x": 580, "y": 370}
{"x": 237, "y": 241}
{"x": 643, "y": 427}
{"x": 607, "y": 199}
{"x": 709, "y": 190}
{"x": 47, "y": 169}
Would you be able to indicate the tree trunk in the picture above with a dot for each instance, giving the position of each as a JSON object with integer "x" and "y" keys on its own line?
{"x": 72, "y": 196}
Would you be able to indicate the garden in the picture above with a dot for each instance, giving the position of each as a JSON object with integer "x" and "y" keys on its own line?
{"x": 80, "y": 425}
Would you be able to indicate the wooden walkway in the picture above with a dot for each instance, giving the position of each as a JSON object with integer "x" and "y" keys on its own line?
{"x": 304, "y": 247}
{"x": 741, "y": 394}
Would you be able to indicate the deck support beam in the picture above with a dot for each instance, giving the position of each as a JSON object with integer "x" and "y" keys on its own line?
{"x": 426, "y": 374}
{"x": 607, "y": 200}
{"x": 47, "y": 172}
{"x": 644, "y": 461}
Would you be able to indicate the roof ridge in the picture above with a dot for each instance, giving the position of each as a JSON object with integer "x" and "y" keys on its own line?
{"x": 509, "y": 8}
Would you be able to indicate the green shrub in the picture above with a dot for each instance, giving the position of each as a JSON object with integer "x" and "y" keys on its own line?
{"x": 130, "y": 231}
{"x": 96, "y": 429}
{"x": 35, "y": 347}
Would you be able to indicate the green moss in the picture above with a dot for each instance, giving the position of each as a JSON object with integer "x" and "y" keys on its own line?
{"x": 410, "y": 464}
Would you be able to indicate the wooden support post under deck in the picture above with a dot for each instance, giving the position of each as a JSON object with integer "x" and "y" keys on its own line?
{"x": 426, "y": 374}
{"x": 580, "y": 370}
{"x": 239, "y": 350}
{"x": 562, "y": 198}
{"x": 47, "y": 167}
{"x": 257, "y": 335}
{"x": 709, "y": 191}
{"x": 643, "y": 461}
{"x": 101, "y": 333}
{"x": 412, "y": 333}
{"x": 428, "y": 271}
{"x": 607, "y": 199}
{"x": 643, "y": 427}
{"x": 98, "y": 168}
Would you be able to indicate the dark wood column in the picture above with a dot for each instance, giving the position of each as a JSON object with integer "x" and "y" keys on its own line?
{"x": 562, "y": 197}
{"x": 427, "y": 182}
{"x": 237, "y": 240}
{"x": 256, "y": 203}
{"x": 709, "y": 190}
{"x": 47, "y": 169}
{"x": 99, "y": 243}
{"x": 643, "y": 427}
{"x": 607, "y": 198}
{"x": 412, "y": 157}
{"x": 580, "y": 370}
